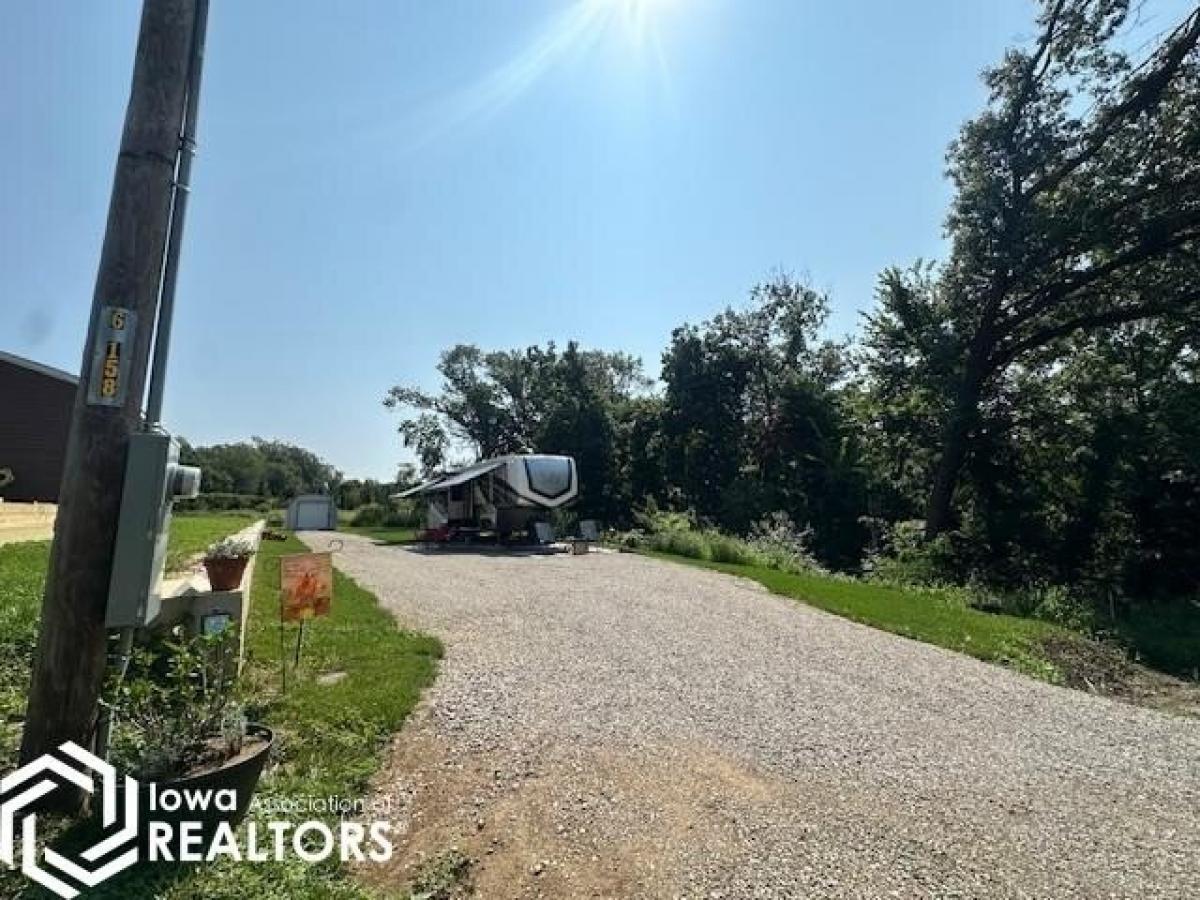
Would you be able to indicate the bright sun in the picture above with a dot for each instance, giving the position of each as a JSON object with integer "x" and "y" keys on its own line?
{"x": 639, "y": 17}
{"x": 576, "y": 28}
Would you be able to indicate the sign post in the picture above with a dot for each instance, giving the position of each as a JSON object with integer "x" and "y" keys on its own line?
{"x": 305, "y": 592}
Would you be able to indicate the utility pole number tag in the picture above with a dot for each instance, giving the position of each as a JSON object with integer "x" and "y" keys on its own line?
{"x": 110, "y": 357}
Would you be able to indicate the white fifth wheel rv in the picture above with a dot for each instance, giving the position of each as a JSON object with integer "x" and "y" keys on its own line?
{"x": 505, "y": 495}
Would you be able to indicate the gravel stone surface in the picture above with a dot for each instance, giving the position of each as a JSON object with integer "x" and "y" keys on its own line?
{"x": 615, "y": 726}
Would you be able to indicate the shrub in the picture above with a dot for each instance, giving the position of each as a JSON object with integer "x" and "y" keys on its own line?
{"x": 564, "y": 522}
{"x": 179, "y": 707}
{"x": 679, "y": 534}
{"x": 1055, "y": 603}
{"x": 905, "y": 557}
{"x": 681, "y": 543}
{"x": 376, "y": 515}
{"x": 371, "y": 515}
{"x": 654, "y": 520}
{"x": 724, "y": 548}
{"x": 222, "y": 502}
{"x": 634, "y": 540}
{"x": 782, "y": 544}
{"x": 406, "y": 514}
{"x": 1048, "y": 602}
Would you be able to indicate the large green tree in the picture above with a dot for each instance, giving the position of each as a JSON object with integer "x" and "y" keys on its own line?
{"x": 1077, "y": 208}
{"x": 756, "y": 419}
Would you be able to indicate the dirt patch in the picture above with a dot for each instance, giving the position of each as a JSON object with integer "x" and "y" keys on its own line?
{"x": 1105, "y": 670}
{"x": 563, "y": 822}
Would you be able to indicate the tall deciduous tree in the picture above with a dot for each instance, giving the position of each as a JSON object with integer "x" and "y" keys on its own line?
{"x": 754, "y": 420}
{"x": 1077, "y": 207}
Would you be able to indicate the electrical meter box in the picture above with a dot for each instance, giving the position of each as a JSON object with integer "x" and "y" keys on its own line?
{"x": 153, "y": 481}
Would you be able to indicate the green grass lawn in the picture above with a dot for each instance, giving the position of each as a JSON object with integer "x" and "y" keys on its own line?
{"x": 22, "y": 580}
{"x": 191, "y": 533}
{"x": 922, "y": 615}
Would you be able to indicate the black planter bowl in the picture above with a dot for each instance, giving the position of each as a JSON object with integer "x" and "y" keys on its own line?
{"x": 237, "y": 776}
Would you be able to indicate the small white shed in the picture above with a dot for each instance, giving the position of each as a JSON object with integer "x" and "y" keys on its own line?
{"x": 312, "y": 512}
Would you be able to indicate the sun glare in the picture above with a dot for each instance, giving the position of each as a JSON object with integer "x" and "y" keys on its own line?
{"x": 640, "y": 18}
{"x": 579, "y": 27}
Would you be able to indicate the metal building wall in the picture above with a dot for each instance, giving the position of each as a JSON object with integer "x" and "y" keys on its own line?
{"x": 35, "y": 417}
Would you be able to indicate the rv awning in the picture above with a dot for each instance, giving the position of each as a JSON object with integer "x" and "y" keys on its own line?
{"x": 452, "y": 480}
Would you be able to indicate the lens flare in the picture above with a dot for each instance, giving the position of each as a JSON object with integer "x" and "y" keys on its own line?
{"x": 639, "y": 18}
{"x": 571, "y": 33}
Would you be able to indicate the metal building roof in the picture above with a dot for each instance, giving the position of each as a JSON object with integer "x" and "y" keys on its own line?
{"x": 38, "y": 367}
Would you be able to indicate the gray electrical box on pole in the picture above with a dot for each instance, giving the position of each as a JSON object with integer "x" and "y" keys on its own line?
{"x": 153, "y": 481}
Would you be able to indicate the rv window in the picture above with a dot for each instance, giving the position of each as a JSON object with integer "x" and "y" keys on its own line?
{"x": 456, "y": 494}
{"x": 549, "y": 477}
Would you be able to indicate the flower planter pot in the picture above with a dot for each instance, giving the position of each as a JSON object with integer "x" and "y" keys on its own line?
{"x": 238, "y": 775}
{"x": 226, "y": 574}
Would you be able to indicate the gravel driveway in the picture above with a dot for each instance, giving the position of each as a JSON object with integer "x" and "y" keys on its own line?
{"x": 614, "y": 726}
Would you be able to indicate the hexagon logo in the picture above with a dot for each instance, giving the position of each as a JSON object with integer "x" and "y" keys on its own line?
{"x": 51, "y": 869}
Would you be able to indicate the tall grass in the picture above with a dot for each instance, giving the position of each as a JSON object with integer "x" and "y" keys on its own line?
{"x": 775, "y": 543}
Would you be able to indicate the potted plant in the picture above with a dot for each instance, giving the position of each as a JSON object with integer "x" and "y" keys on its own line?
{"x": 225, "y": 562}
{"x": 180, "y": 724}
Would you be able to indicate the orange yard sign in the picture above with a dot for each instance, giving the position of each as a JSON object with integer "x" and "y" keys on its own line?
{"x": 306, "y": 583}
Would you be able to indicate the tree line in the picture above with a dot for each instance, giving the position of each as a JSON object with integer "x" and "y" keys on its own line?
{"x": 259, "y": 472}
{"x": 260, "y": 468}
{"x": 1032, "y": 400}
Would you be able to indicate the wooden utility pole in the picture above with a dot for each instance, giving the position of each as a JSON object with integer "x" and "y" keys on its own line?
{"x": 69, "y": 665}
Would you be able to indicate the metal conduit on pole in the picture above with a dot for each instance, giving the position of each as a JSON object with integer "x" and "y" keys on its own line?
{"x": 182, "y": 188}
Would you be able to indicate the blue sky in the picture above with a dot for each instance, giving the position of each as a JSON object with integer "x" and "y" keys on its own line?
{"x": 380, "y": 180}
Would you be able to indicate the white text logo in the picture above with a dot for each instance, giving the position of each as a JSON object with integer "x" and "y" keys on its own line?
{"x": 49, "y": 869}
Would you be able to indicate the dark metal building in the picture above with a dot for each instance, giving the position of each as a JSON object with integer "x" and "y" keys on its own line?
{"x": 35, "y": 419}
